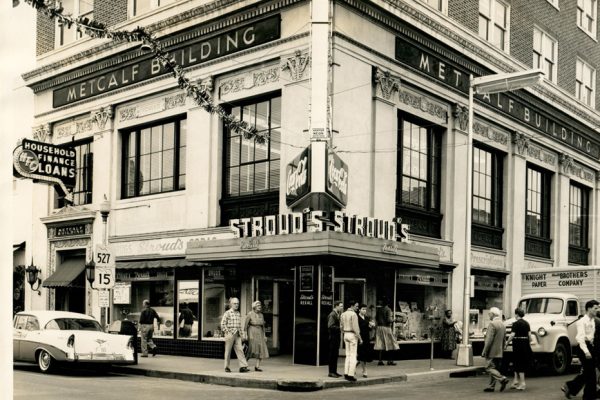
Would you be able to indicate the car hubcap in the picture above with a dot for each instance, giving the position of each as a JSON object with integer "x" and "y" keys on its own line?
{"x": 44, "y": 360}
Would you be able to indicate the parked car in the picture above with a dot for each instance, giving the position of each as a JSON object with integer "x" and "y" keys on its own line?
{"x": 51, "y": 337}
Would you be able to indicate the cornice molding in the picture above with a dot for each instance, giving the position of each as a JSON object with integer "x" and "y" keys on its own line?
{"x": 216, "y": 23}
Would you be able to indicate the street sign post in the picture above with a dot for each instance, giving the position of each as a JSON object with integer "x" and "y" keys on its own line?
{"x": 105, "y": 267}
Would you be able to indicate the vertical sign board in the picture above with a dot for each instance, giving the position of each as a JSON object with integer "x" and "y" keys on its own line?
{"x": 337, "y": 178}
{"x": 305, "y": 322}
{"x": 298, "y": 178}
{"x": 326, "y": 305}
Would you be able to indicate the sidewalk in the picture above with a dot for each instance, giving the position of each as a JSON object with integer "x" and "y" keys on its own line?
{"x": 280, "y": 374}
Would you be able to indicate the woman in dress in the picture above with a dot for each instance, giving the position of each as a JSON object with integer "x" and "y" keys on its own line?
{"x": 521, "y": 348}
{"x": 448, "y": 334}
{"x": 385, "y": 342}
{"x": 254, "y": 328}
{"x": 365, "y": 324}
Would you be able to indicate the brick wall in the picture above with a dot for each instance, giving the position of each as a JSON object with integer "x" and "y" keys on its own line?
{"x": 466, "y": 12}
{"x": 110, "y": 12}
{"x": 44, "y": 34}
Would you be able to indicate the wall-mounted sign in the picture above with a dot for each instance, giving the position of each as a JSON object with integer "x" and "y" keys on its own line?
{"x": 203, "y": 50}
{"x": 457, "y": 77}
{"x": 298, "y": 177}
{"x": 306, "y": 279}
{"x": 47, "y": 163}
{"x": 422, "y": 278}
{"x": 337, "y": 178}
{"x": 319, "y": 221}
{"x": 122, "y": 293}
{"x": 558, "y": 280}
{"x": 71, "y": 230}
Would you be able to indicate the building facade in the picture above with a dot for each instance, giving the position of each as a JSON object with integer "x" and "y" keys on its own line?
{"x": 360, "y": 192}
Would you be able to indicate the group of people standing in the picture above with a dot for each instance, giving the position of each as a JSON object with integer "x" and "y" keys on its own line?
{"x": 358, "y": 330}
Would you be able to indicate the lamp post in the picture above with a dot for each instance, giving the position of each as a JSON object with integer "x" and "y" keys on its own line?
{"x": 33, "y": 277}
{"x": 104, "y": 211}
{"x": 482, "y": 85}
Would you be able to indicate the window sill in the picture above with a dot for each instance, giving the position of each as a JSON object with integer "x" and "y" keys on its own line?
{"x": 147, "y": 197}
{"x": 592, "y": 35}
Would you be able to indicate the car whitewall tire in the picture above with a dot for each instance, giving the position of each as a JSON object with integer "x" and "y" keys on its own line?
{"x": 45, "y": 361}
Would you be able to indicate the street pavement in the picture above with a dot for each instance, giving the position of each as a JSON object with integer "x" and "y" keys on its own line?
{"x": 81, "y": 384}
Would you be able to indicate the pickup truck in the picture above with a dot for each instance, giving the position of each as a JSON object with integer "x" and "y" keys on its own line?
{"x": 552, "y": 318}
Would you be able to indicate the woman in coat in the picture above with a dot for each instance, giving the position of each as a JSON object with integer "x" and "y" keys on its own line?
{"x": 254, "y": 328}
{"x": 365, "y": 352}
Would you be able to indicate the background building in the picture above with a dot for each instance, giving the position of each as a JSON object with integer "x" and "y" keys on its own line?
{"x": 378, "y": 93}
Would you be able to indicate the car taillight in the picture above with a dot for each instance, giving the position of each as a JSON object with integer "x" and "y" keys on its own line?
{"x": 71, "y": 341}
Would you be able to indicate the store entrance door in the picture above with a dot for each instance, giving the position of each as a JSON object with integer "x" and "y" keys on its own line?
{"x": 277, "y": 298}
{"x": 346, "y": 290}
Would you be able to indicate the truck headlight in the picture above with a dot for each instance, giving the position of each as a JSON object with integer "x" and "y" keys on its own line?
{"x": 542, "y": 332}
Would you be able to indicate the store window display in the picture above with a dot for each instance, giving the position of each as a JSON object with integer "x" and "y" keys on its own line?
{"x": 187, "y": 301}
{"x": 489, "y": 292}
{"x": 219, "y": 284}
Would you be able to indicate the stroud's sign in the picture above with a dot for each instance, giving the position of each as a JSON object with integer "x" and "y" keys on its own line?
{"x": 207, "y": 48}
{"x": 47, "y": 163}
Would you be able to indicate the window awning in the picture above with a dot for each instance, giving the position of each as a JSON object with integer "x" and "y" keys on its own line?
{"x": 19, "y": 246}
{"x": 167, "y": 263}
{"x": 65, "y": 273}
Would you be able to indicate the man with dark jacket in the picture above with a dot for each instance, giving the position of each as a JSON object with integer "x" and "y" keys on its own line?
{"x": 147, "y": 317}
{"x": 333, "y": 328}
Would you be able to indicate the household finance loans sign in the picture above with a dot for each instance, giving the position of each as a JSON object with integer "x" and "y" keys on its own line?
{"x": 205, "y": 49}
{"x": 47, "y": 163}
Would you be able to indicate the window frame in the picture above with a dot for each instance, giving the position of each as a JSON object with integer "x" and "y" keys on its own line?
{"x": 497, "y": 160}
{"x": 124, "y": 136}
{"x": 441, "y": 7}
{"x": 540, "y": 55}
{"x": 592, "y": 19}
{"x": 578, "y": 251}
{"x": 581, "y": 65}
{"x": 492, "y": 24}
{"x": 85, "y": 181}
{"x": 154, "y": 4}
{"x": 538, "y": 244}
{"x": 61, "y": 30}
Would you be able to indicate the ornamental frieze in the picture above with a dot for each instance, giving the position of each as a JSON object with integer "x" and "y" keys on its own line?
{"x": 296, "y": 65}
{"x": 249, "y": 81}
{"x": 490, "y": 133}
{"x": 152, "y": 106}
{"x": 521, "y": 143}
{"x": 461, "y": 117}
{"x": 542, "y": 155}
{"x": 386, "y": 83}
{"x": 102, "y": 116}
{"x": 42, "y": 133}
{"x": 424, "y": 104}
{"x": 570, "y": 167}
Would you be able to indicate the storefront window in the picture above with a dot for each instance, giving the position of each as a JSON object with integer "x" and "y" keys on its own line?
{"x": 187, "y": 300}
{"x": 158, "y": 291}
{"x": 489, "y": 291}
{"x": 421, "y": 299}
{"x": 220, "y": 284}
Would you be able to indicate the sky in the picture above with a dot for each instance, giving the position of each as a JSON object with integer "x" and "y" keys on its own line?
{"x": 17, "y": 55}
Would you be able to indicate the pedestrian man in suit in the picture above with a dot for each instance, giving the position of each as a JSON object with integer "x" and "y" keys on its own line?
{"x": 333, "y": 329}
{"x": 586, "y": 329}
{"x": 493, "y": 350}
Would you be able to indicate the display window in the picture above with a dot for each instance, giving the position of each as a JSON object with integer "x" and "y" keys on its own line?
{"x": 421, "y": 299}
{"x": 219, "y": 285}
{"x": 188, "y": 299}
{"x": 489, "y": 292}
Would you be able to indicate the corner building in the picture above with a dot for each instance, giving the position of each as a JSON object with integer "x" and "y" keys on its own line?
{"x": 374, "y": 94}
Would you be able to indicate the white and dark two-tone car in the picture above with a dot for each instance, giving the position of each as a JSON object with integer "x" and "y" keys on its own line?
{"x": 52, "y": 337}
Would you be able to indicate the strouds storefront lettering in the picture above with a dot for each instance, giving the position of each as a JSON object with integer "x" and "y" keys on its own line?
{"x": 192, "y": 54}
{"x": 319, "y": 221}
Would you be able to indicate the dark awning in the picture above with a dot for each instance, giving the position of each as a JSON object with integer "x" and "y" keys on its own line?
{"x": 65, "y": 273}
{"x": 167, "y": 263}
{"x": 19, "y": 246}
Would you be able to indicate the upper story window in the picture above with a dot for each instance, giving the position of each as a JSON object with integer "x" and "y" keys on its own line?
{"x": 419, "y": 169}
{"x": 139, "y": 7}
{"x": 82, "y": 192}
{"x": 154, "y": 158}
{"x": 585, "y": 83}
{"x": 75, "y": 8}
{"x": 487, "y": 197}
{"x": 578, "y": 224}
{"x": 493, "y": 22}
{"x": 545, "y": 54}
{"x": 586, "y": 16}
{"x": 252, "y": 170}
{"x": 537, "y": 215}
{"x": 440, "y": 5}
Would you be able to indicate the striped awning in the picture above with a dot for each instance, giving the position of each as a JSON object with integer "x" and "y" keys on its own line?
{"x": 65, "y": 274}
{"x": 165, "y": 263}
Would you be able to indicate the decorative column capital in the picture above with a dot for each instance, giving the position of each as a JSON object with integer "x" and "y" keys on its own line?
{"x": 566, "y": 162}
{"x": 521, "y": 143}
{"x": 207, "y": 84}
{"x": 461, "y": 116}
{"x": 101, "y": 116}
{"x": 296, "y": 65}
{"x": 42, "y": 133}
{"x": 387, "y": 83}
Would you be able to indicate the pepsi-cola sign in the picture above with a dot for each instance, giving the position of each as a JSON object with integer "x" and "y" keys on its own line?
{"x": 47, "y": 163}
{"x": 298, "y": 177}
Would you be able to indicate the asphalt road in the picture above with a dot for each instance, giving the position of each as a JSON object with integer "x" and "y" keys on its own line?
{"x": 66, "y": 385}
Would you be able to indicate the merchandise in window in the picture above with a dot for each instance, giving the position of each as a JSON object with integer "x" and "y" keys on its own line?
{"x": 154, "y": 159}
{"x": 188, "y": 299}
{"x": 489, "y": 292}
{"x": 220, "y": 284}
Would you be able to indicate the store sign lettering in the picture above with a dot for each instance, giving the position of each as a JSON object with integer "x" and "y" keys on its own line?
{"x": 458, "y": 78}
{"x": 192, "y": 54}
{"x": 320, "y": 221}
{"x": 72, "y": 230}
{"x": 555, "y": 279}
{"x": 307, "y": 299}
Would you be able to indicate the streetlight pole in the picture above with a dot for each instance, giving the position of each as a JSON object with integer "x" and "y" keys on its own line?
{"x": 486, "y": 84}
{"x": 104, "y": 211}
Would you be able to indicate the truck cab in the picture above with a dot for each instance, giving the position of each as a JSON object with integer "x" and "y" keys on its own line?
{"x": 552, "y": 318}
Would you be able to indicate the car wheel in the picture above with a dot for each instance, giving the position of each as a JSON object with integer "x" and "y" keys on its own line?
{"x": 45, "y": 361}
{"x": 560, "y": 359}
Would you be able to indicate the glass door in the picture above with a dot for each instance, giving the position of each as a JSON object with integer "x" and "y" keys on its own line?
{"x": 346, "y": 290}
{"x": 266, "y": 293}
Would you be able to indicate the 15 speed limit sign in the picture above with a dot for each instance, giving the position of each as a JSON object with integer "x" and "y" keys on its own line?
{"x": 105, "y": 267}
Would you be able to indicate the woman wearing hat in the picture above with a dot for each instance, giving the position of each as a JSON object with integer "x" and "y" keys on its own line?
{"x": 254, "y": 326}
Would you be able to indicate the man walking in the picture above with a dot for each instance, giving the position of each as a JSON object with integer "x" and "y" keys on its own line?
{"x": 333, "y": 328}
{"x": 147, "y": 317}
{"x": 586, "y": 328}
{"x": 231, "y": 325}
{"x": 493, "y": 349}
{"x": 351, "y": 330}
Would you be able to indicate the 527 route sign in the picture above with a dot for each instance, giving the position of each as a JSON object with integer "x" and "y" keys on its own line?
{"x": 105, "y": 267}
